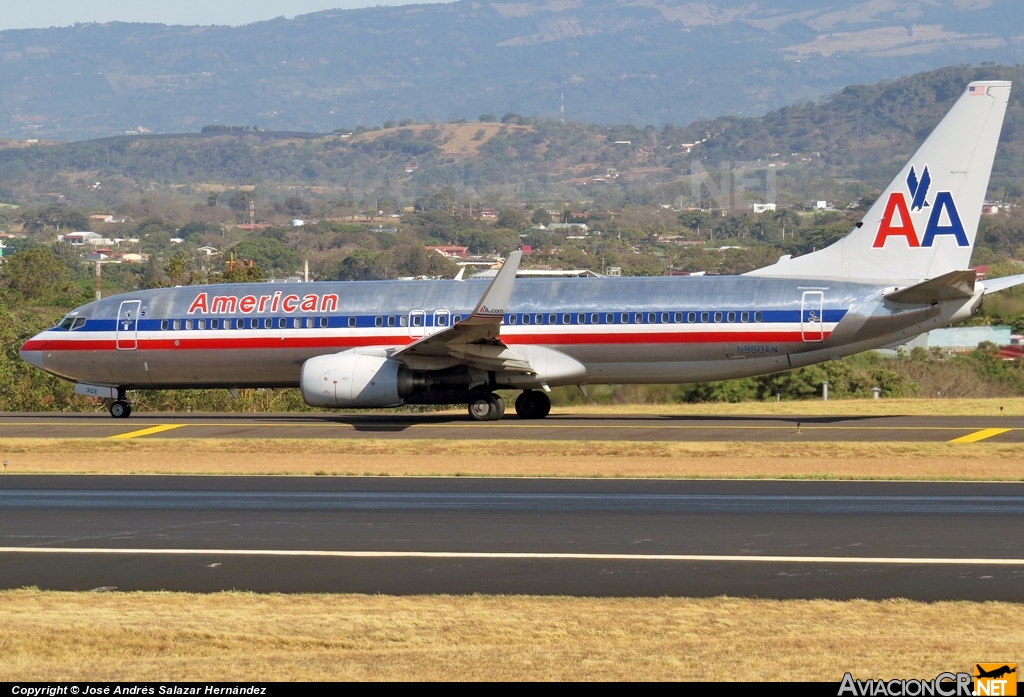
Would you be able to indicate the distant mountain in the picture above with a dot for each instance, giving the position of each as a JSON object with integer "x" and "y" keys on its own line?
{"x": 639, "y": 62}
{"x": 844, "y": 146}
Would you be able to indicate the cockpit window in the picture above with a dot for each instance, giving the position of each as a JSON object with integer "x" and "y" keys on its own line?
{"x": 66, "y": 323}
{"x": 78, "y": 324}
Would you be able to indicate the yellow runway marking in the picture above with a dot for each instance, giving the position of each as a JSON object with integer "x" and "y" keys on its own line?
{"x": 980, "y": 435}
{"x": 146, "y": 431}
{"x": 786, "y": 559}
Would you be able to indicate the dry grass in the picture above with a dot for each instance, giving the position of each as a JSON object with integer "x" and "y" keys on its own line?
{"x": 434, "y": 457}
{"x": 237, "y": 636}
{"x": 456, "y": 139}
{"x": 1012, "y": 406}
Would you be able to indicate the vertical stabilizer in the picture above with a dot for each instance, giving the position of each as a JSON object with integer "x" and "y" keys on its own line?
{"x": 924, "y": 223}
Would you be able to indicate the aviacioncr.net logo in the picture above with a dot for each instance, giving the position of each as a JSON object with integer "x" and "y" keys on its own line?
{"x": 898, "y": 220}
{"x": 943, "y": 685}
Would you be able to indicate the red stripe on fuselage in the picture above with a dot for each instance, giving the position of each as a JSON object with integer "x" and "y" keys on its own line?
{"x": 346, "y": 342}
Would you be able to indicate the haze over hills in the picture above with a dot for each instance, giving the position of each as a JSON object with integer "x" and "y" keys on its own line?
{"x": 649, "y": 61}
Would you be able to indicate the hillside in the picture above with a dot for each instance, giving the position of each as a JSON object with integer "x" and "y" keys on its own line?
{"x": 616, "y": 61}
{"x": 843, "y": 146}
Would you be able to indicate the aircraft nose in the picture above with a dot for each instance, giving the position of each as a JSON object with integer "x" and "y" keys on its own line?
{"x": 32, "y": 352}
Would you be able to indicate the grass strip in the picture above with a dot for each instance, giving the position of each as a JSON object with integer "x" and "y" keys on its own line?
{"x": 241, "y": 636}
{"x": 436, "y": 457}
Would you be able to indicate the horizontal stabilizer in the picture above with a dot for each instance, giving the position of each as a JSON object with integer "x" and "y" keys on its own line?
{"x": 955, "y": 285}
{"x": 1003, "y": 283}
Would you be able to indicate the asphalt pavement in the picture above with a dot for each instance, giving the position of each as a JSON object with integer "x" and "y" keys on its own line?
{"x": 776, "y": 539}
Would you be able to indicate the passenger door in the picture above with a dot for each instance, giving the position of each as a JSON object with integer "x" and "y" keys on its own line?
{"x": 127, "y": 333}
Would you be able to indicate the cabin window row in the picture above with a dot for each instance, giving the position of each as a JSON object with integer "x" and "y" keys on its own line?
{"x": 635, "y": 318}
{"x": 252, "y": 323}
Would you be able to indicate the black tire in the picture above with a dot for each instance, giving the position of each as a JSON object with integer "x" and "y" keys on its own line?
{"x": 480, "y": 408}
{"x": 499, "y": 407}
{"x": 533, "y": 405}
{"x": 120, "y": 410}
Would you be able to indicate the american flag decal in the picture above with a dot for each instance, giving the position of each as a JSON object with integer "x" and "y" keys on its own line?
{"x": 976, "y": 90}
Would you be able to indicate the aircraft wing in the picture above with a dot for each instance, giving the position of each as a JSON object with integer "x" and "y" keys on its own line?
{"x": 955, "y": 285}
{"x": 1003, "y": 283}
{"x": 475, "y": 340}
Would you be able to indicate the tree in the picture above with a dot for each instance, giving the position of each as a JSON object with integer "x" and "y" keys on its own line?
{"x": 488, "y": 118}
{"x": 513, "y": 219}
{"x": 540, "y": 217}
{"x": 37, "y": 275}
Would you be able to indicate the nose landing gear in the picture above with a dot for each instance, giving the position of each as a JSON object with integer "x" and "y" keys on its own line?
{"x": 120, "y": 409}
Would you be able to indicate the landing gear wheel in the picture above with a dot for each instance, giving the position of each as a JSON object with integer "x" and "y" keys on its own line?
{"x": 486, "y": 407}
{"x": 532, "y": 405}
{"x": 120, "y": 409}
{"x": 499, "y": 406}
{"x": 480, "y": 408}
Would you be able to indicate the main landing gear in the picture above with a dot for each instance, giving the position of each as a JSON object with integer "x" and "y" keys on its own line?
{"x": 120, "y": 409}
{"x": 532, "y": 405}
{"x": 488, "y": 406}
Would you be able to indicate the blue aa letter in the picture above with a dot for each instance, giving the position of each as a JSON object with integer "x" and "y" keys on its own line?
{"x": 944, "y": 200}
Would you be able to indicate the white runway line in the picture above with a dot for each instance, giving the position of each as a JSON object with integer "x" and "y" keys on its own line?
{"x": 927, "y": 561}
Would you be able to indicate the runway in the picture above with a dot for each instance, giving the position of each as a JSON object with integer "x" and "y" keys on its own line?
{"x": 776, "y": 539}
{"x": 998, "y": 429}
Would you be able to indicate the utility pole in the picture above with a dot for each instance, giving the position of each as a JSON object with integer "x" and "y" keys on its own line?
{"x": 99, "y": 275}
{"x": 305, "y": 271}
{"x": 252, "y": 213}
{"x": 563, "y": 108}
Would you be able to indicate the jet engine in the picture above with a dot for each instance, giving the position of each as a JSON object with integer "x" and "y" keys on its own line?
{"x": 350, "y": 379}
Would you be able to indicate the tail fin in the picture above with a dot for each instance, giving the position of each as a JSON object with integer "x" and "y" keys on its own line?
{"x": 924, "y": 224}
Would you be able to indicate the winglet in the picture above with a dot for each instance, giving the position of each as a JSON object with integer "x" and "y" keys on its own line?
{"x": 495, "y": 300}
{"x": 460, "y": 274}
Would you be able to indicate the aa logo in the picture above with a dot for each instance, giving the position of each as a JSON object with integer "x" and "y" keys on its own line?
{"x": 995, "y": 679}
{"x": 944, "y": 219}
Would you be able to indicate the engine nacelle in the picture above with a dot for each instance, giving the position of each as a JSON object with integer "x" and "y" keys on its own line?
{"x": 350, "y": 379}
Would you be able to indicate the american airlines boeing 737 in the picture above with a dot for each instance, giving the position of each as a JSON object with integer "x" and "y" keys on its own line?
{"x": 901, "y": 271}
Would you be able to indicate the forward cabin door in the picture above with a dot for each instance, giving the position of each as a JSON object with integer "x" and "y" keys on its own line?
{"x": 128, "y": 325}
{"x": 812, "y": 307}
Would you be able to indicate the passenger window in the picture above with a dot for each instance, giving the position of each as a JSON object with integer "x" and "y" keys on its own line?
{"x": 378, "y": 321}
{"x": 566, "y": 319}
{"x": 267, "y": 323}
{"x": 456, "y": 319}
{"x": 705, "y": 317}
{"x": 744, "y": 317}
{"x": 442, "y": 319}
{"x": 282, "y": 322}
{"x": 538, "y": 319}
{"x": 732, "y": 316}
{"x": 403, "y": 321}
{"x": 595, "y": 318}
{"x": 552, "y": 319}
{"x": 239, "y": 324}
{"x": 323, "y": 323}
{"x": 417, "y": 320}
{"x": 624, "y": 318}
{"x": 718, "y": 316}
{"x": 511, "y": 319}
{"x": 309, "y": 323}
{"x": 297, "y": 323}
{"x": 639, "y": 318}
{"x": 581, "y": 319}
{"x": 526, "y": 319}
{"x": 200, "y": 324}
{"x": 214, "y": 324}
{"x": 177, "y": 324}
{"x": 391, "y": 321}
{"x": 255, "y": 324}
{"x": 678, "y": 317}
{"x": 664, "y": 318}
{"x": 164, "y": 324}
{"x": 188, "y": 324}
{"x": 226, "y": 324}
{"x": 351, "y": 321}
{"x": 758, "y": 316}
{"x": 609, "y": 318}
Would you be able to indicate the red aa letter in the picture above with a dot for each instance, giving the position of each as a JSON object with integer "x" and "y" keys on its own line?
{"x": 199, "y": 304}
{"x": 896, "y": 202}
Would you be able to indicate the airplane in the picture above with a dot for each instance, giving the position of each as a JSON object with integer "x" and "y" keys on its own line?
{"x": 901, "y": 271}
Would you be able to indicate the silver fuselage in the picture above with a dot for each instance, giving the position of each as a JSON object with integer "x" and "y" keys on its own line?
{"x": 624, "y": 330}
